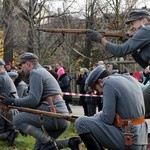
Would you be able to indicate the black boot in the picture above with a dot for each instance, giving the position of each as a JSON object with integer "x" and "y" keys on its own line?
{"x": 90, "y": 142}
{"x": 11, "y": 137}
{"x": 74, "y": 142}
{"x": 50, "y": 145}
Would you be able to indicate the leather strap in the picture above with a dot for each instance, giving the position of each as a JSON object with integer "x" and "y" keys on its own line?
{"x": 119, "y": 122}
{"x": 51, "y": 104}
{"x": 127, "y": 123}
{"x": 50, "y": 100}
{"x": 53, "y": 98}
{"x": 128, "y": 135}
{"x": 135, "y": 121}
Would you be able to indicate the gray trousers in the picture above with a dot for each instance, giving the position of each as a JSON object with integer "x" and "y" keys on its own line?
{"x": 109, "y": 136}
{"x": 31, "y": 124}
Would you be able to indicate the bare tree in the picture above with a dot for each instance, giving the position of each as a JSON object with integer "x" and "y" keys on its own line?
{"x": 8, "y": 34}
{"x": 75, "y": 50}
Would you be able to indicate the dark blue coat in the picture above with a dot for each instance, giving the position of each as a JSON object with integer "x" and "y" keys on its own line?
{"x": 64, "y": 82}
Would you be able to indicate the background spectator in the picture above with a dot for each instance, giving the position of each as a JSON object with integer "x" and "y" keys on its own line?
{"x": 21, "y": 86}
{"x": 49, "y": 68}
{"x": 64, "y": 82}
{"x": 81, "y": 82}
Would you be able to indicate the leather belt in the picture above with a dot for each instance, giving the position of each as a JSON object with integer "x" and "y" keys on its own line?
{"x": 119, "y": 122}
{"x": 128, "y": 135}
{"x": 127, "y": 123}
{"x": 135, "y": 121}
{"x": 50, "y": 100}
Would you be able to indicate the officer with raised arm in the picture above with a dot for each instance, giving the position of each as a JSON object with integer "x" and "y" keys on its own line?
{"x": 138, "y": 45}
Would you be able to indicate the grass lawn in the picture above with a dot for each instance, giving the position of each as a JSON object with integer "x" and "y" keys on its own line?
{"x": 26, "y": 143}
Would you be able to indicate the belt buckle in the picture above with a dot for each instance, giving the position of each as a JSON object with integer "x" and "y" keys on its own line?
{"x": 129, "y": 123}
{"x": 129, "y": 134}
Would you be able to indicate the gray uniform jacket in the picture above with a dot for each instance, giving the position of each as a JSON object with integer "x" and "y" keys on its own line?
{"x": 122, "y": 94}
{"x": 41, "y": 84}
{"x": 139, "y": 41}
{"x": 7, "y": 86}
{"x": 22, "y": 89}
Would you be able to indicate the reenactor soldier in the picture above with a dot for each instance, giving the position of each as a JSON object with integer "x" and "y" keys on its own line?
{"x": 121, "y": 124}
{"x": 7, "y": 88}
{"x": 44, "y": 94}
{"x": 138, "y": 45}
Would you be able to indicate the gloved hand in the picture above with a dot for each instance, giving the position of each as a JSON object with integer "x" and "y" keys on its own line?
{"x": 7, "y": 101}
{"x": 94, "y": 36}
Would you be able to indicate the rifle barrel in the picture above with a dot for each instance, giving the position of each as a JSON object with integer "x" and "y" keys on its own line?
{"x": 115, "y": 33}
{"x": 45, "y": 113}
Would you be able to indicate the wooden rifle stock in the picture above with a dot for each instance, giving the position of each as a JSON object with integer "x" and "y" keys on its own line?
{"x": 115, "y": 33}
{"x": 45, "y": 113}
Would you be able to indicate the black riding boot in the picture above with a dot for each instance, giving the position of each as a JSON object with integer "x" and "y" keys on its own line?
{"x": 90, "y": 142}
{"x": 11, "y": 137}
{"x": 72, "y": 143}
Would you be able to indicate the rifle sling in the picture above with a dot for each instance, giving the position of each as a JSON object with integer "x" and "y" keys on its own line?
{"x": 50, "y": 100}
{"x": 6, "y": 119}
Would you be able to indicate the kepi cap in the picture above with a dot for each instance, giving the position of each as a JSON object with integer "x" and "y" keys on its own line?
{"x": 27, "y": 56}
{"x": 13, "y": 74}
{"x": 137, "y": 14}
{"x": 94, "y": 74}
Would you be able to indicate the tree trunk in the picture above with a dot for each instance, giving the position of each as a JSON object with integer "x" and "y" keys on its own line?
{"x": 89, "y": 25}
{"x": 8, "y": 31}
{"x": 30, "y": 47}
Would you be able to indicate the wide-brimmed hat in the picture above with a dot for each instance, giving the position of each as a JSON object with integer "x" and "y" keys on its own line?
{"x": 137, "y": 14}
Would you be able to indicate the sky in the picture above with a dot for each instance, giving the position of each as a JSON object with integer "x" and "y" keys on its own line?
{"x": 59, "y": 3}
{"x": 55, "y": 4}
{"x": 80, "y": 4}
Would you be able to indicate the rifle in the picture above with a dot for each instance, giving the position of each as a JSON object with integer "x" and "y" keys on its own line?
{"x": 45, "y": 113}
{"x": 109, "y": 33}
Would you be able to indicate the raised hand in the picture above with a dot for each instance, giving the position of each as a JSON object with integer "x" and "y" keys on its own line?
{"x": 94, "y": 36}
